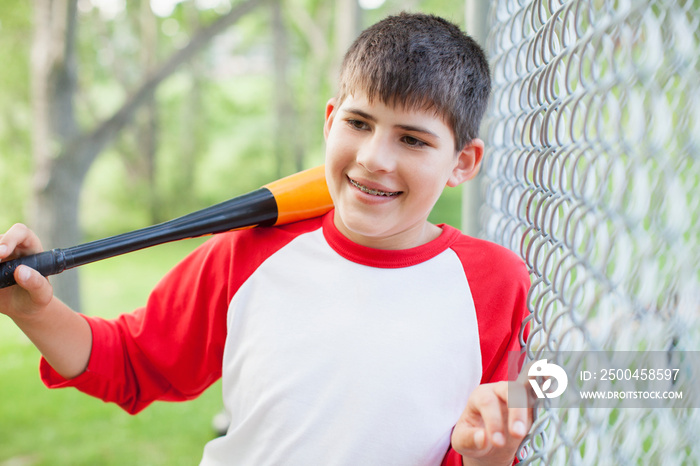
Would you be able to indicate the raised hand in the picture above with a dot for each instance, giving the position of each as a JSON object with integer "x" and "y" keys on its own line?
{"x": 488, "y": 431}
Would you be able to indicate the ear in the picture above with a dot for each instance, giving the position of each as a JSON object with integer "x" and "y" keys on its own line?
{"x": 330, "y": 114}
{"x": 468, "y": 163}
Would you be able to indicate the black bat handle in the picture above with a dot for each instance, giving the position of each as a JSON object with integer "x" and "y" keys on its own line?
{"x": 46, "y": 263}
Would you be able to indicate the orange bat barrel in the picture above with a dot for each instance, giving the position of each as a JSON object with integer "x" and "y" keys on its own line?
{"x": 296, "y": 197}
{"x": 295, "y": 204}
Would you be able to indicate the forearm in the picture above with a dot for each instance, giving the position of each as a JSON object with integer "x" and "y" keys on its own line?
{"x": 62, "y": 336}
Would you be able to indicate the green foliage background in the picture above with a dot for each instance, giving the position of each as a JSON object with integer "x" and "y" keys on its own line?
{"x": 15, "y": 115}
{"x": 221, "y": 147}
{"x": 233, "y": 128}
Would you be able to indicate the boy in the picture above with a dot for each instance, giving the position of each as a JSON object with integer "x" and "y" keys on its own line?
{"x": 356, "y": 338}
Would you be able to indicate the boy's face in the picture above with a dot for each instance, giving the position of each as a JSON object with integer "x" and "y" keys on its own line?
{"x": 386, "y": 167}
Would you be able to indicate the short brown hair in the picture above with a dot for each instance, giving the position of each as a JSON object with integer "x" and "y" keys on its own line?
{"x": 421, "y": 61}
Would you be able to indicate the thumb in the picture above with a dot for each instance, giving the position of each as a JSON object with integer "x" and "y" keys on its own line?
{"x": 39, "y": 289}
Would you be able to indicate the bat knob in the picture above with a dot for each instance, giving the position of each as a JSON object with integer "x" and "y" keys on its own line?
{"x": 46, "y": 263}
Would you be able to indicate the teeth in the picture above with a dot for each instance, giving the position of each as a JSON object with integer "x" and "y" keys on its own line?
{"x": 374, "y": 192}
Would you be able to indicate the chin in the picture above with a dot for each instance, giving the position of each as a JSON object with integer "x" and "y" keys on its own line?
{"x": 364, "y": 224}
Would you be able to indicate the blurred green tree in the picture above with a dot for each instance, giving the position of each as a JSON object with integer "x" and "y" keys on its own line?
{"x": 64, "y": 147}
{"x": 15, "y": 111}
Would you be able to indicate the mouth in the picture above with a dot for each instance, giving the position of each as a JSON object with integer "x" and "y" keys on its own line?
{"x": 374, "y": 192}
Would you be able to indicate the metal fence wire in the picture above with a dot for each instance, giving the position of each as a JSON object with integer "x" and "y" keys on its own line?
{"x": 592, "y": 176}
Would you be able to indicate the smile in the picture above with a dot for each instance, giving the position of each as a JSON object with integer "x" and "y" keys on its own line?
{"x": 373, "y": 192}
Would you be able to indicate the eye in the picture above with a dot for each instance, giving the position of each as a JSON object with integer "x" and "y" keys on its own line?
{"x": 357, "y": 124}
{"x": 413, "y": 142}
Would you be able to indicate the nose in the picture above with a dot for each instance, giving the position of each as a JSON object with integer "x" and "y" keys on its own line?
{"x": 376, "y": 155}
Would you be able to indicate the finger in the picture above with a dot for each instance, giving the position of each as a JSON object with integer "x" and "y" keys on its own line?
{"x": 38, "y": 287}
{"x": 520, "y": 414}
{"x": 18, "y": 238}
{"x": 4, "y": 248}
{"x": 519, "y": 422}
{"x": 494, "y": 412}
{"x": 520, "y": 417}
{"x": 471, "y": 439}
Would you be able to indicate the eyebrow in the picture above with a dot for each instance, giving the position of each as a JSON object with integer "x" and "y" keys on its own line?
{"x": 367, "y": 116}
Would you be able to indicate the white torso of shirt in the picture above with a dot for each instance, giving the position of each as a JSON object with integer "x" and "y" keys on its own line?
{"x": 331, "y": 362}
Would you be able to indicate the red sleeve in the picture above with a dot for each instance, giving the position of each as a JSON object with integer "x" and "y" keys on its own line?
{"x": 499, "y": 282}
{"x": 172, "y": 349}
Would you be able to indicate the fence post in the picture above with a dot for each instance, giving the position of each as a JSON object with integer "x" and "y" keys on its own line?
{"x": 476, "y": 13}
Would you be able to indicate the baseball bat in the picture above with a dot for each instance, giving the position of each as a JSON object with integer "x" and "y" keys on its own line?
{"x": 296, "y": 197}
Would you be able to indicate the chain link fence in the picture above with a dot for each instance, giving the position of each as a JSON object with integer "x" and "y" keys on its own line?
{"x": 592, "y": 176}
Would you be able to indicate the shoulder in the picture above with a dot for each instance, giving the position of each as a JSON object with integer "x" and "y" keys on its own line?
{"x": 227, "y": 259}
{"x": 499, "y": 282}
{"x": 486, "y": 259}
{"x": 254, "y": 245}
